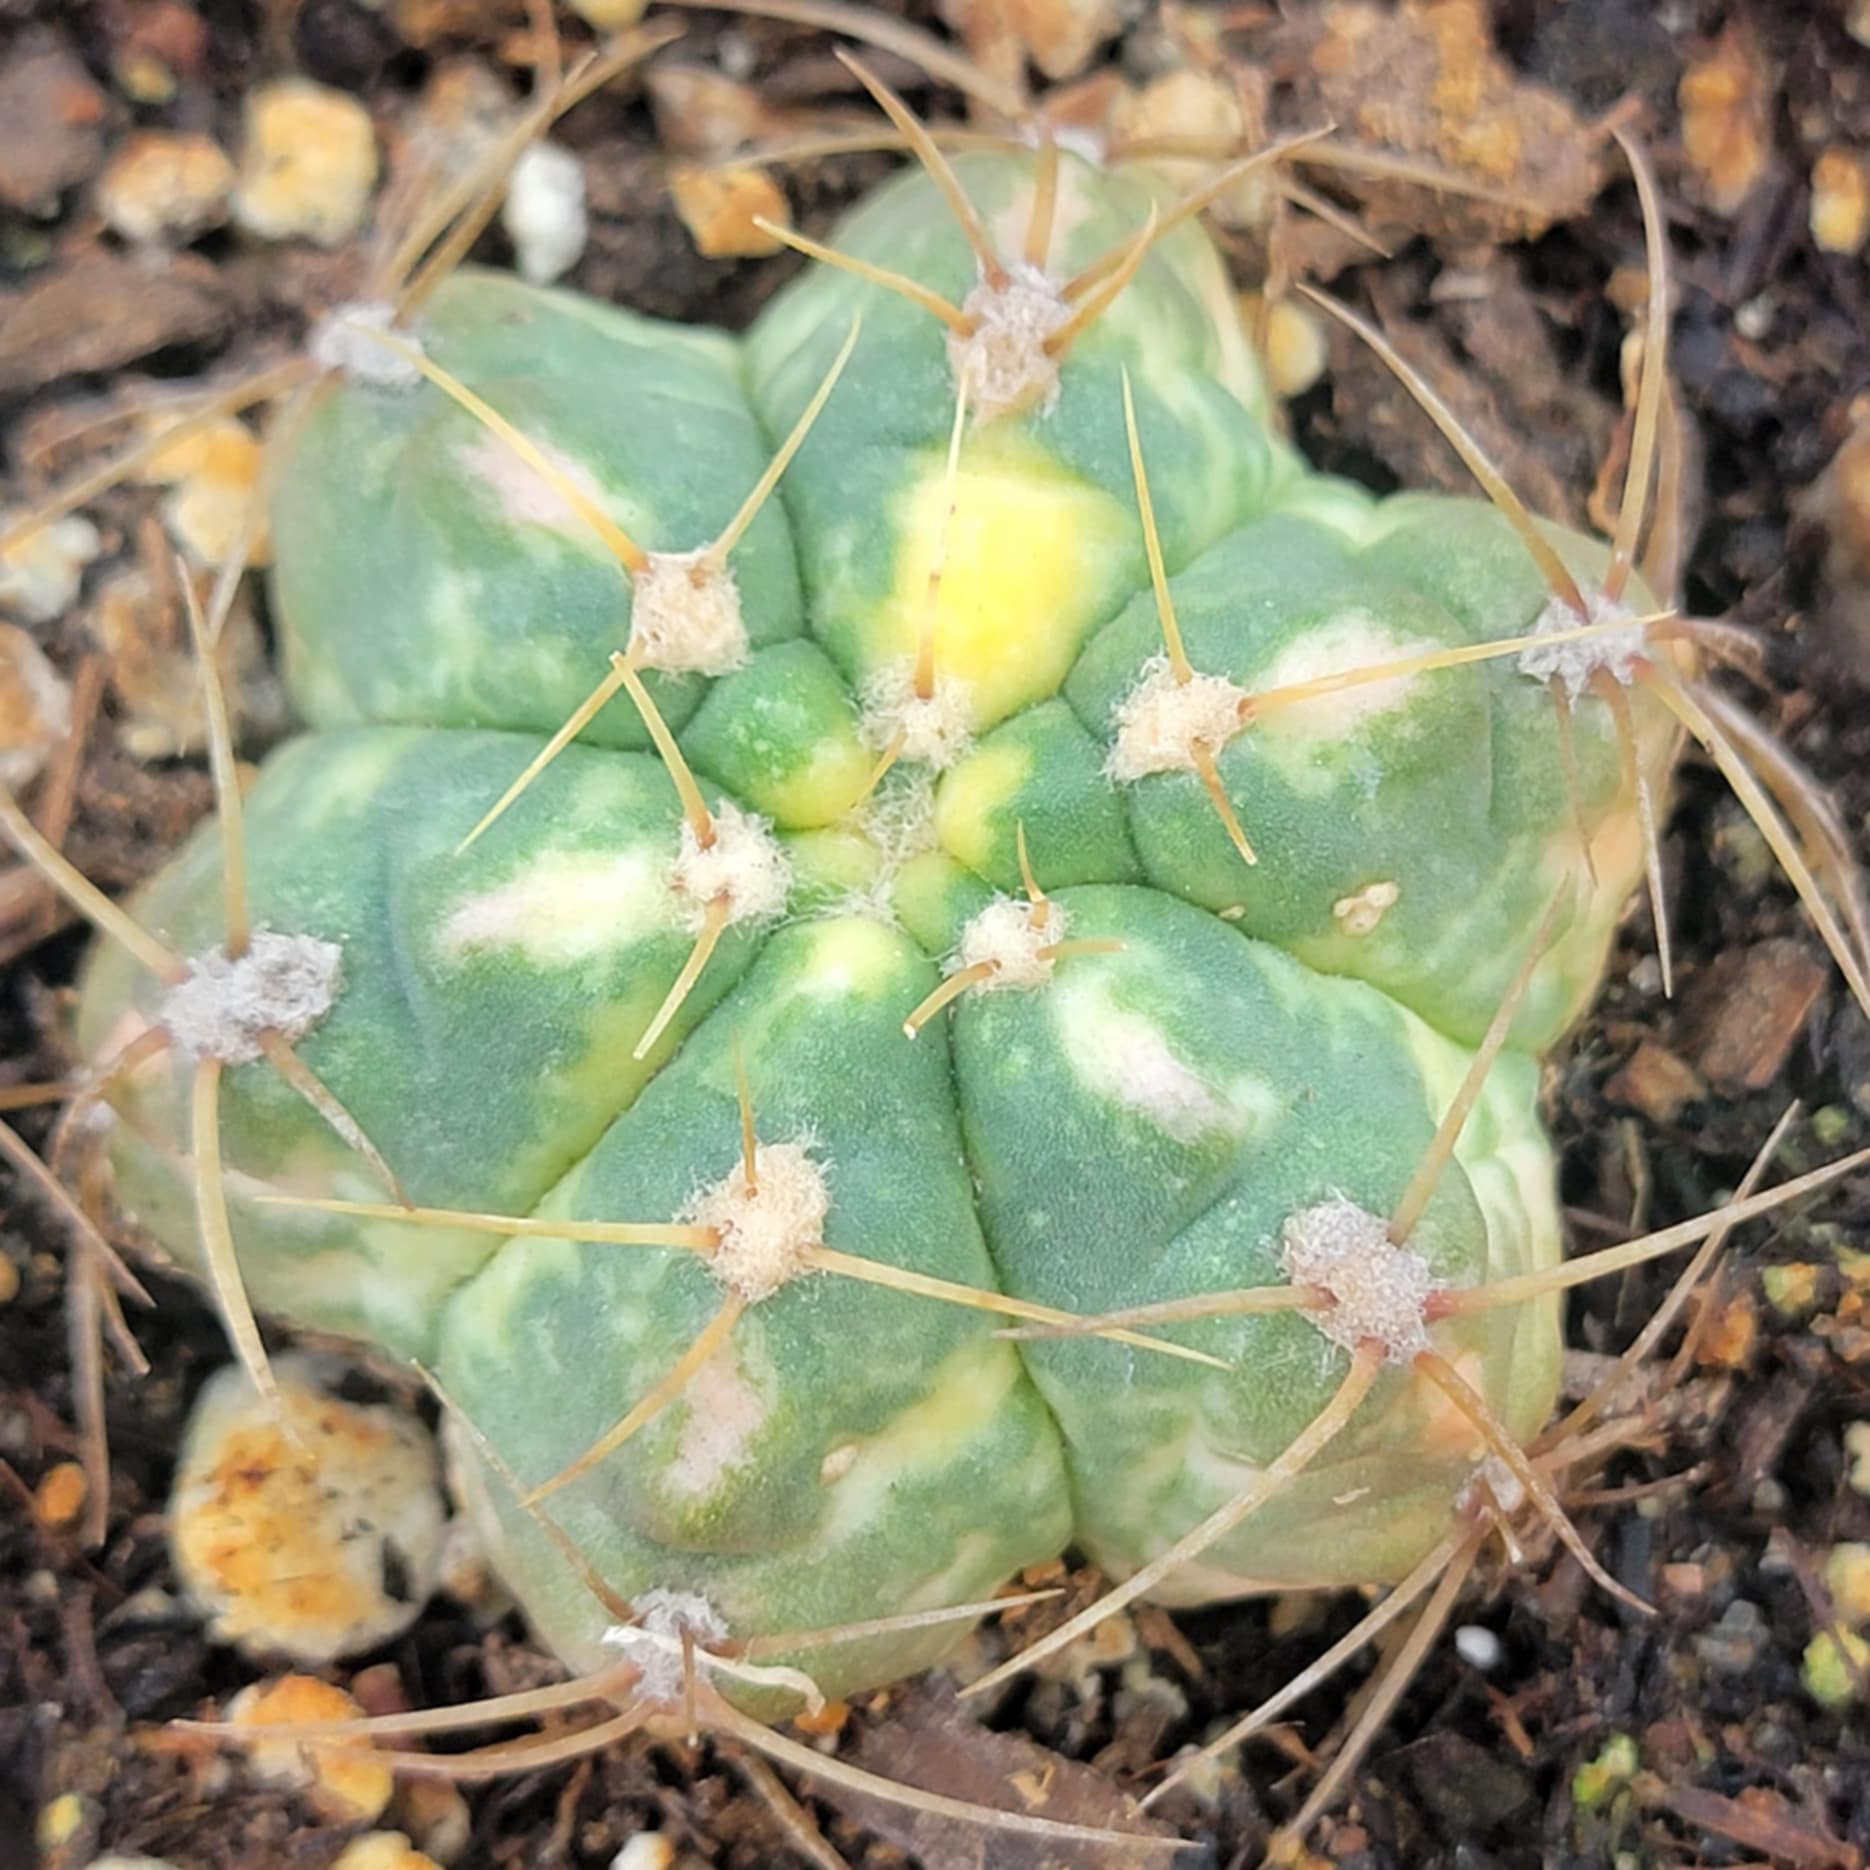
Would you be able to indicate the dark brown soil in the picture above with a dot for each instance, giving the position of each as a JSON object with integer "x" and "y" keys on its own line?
{"x": 1722, "y": 1516}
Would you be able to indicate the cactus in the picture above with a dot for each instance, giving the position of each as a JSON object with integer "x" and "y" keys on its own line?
{"x": 901, "y": 944}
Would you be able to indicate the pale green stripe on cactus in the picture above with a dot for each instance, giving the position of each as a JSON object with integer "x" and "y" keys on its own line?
{"x": 1410, "y": 832}
{"x": 1202, "y": 1088}
{"x": 1044, "y": 541}
{"x": 782, "y": 735}
{"x": 489, "y": 1006}
{"x": 426, "y": 574}
{"x": 850, "y": 1447}
{"x": 1040, "y": 772}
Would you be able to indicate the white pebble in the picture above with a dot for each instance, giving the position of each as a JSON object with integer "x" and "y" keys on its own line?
{"x": 1477, "y": 1646}
{"x": 544, "y": 213}
{"x": 648, "y": 1850}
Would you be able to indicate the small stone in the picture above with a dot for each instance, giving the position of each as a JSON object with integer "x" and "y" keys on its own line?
{"x": 1477, "y": 1646}
{"x": 1754, "y": 319}
{"x": 1726, "y": 103}
{"x": 1429, "y": 80}
{"x": 436, "y": 1816}
{"x": 165, "y": 187}
{"x": 1684, "y": 1580}
{"x": 1747, "y": 1011}
{"x": 704, "y": 113}
{"x": 382, "y": 1850}
{"x": 648, "y": 1850}
{"x": 60, "y": 1496}
{"x": 1294, "y": 346}
{"x": 51, "y": 124}
{"x": 1857, "y": 1452}
{"x": 60, "y": 1821}
{"x": 1468, "y": 1788}
{"x": 466, "y": 1574}
{"x": 35, "y": 708}
{"x": 1058, "y": 36}
{"x": 316, "y": 1548}
{"x": 719, "y": 208}
{"x": 1840, "y": 210}
{"x": 1791, "y": 1289}
{"x": 1831, "y": 1125}
{"x": 155, "y": 683}
{"x": 1734, "y": 1644}
{"x": 1847, "y": 1578}
{"x": 156, "y": 44}
{"x": 1656, "y": 1082}
{"x": 1102, "y": 1647}
{"x": 1594, "y": 1782}
{"x": 1205, "y": 104}
{"x": 1834, "y": 1668}
{"x": 609, "y": 15}
{"x": 348, "y": 1785}
{"x": 40, "y": 576}
{"x": 544, "y": 213}
{"x": 214, "y": 476}
{"x": 824, "y": 1723}
{"x": 1732, "y": 1336}
{"x": 308, "y": 164}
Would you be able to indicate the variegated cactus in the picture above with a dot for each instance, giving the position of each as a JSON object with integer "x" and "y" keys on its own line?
{"x": 1016, "y": 1023}
{"x": 1165, "y": 1066}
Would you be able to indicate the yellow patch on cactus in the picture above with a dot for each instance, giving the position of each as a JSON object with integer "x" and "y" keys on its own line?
{"x": 853, "y": 957}
{"x": 972, "y": 794}
{"x": 823, "y": 791}
{"x": 1029, "y": 560}
{"x": 966, "y": 1393}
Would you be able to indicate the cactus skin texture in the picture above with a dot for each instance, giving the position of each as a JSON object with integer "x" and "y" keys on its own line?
{"x": 1135, "y": 1121}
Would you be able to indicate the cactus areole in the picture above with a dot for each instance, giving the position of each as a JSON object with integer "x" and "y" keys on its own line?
{"x": 925, "y": 823}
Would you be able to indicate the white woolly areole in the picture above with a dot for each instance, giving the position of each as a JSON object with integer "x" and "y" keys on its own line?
{"x": 766, "y": 1232}
{"x": 900, "y": 819}
{"x": 1161, "y": 721}
{"x": 1010, "y": 937}
{"x": 1379, "y": 1288}
{"x": 685, "y": 615}
{"x": 936, "y": 729}
{"x": 221, "y": 1007}
{"x": 654, "y": 1642}
{"x": 1002, "y": 364}
{"x": 1575, "y": 663}
{"x": 745, "y": 867}
{"x": 341, "y": 341}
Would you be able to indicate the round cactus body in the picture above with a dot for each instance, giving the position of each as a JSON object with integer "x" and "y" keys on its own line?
{"x": 1166, "y": 1071}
